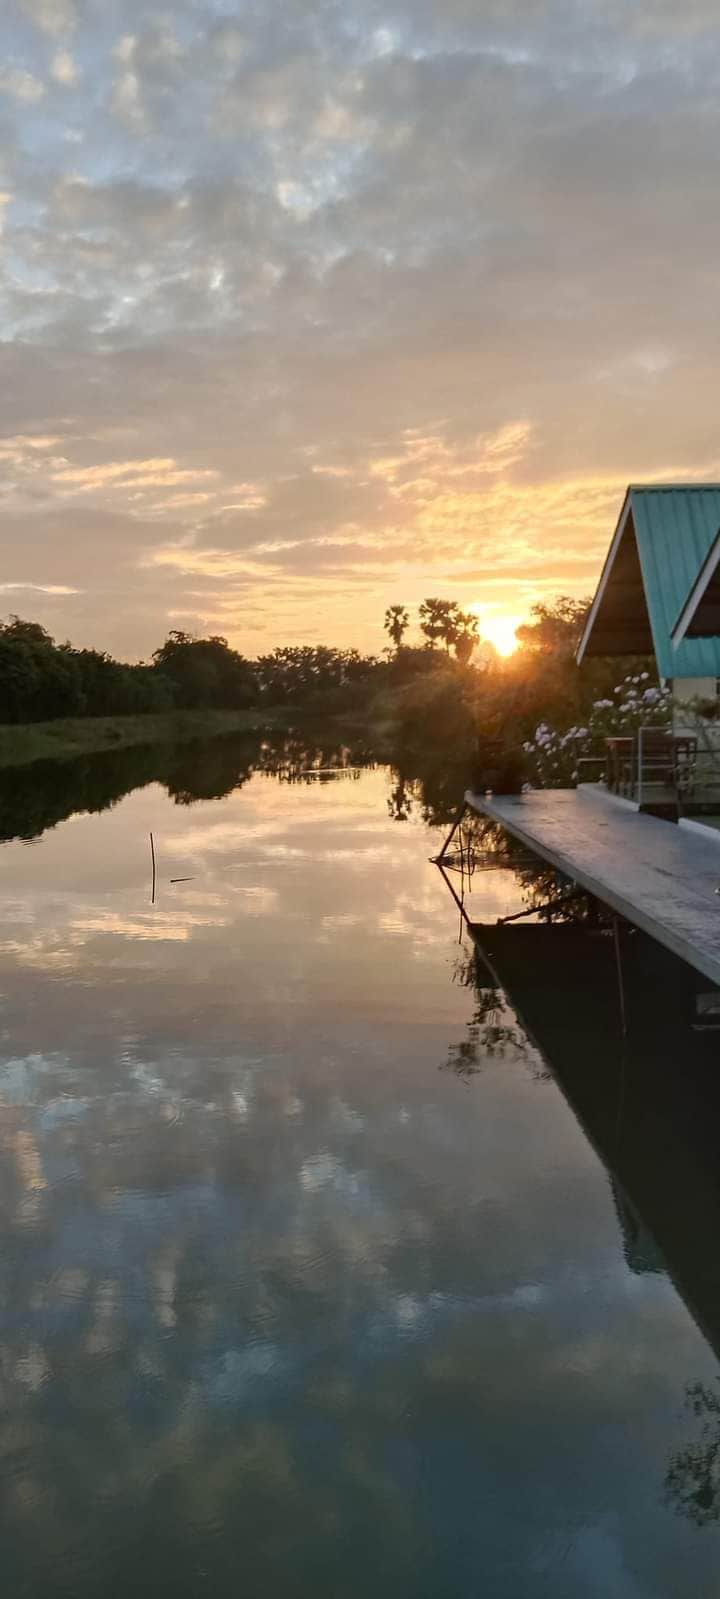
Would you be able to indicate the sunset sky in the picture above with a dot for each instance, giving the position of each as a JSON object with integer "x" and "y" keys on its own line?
{"x": 309, "y": 308}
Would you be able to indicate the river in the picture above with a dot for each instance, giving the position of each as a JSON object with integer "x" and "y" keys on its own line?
{"x": 320, "y": 1272}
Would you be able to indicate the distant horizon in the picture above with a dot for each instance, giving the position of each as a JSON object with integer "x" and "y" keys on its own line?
{"x": 314, "y": 311}
{"x": 414, "y": 639}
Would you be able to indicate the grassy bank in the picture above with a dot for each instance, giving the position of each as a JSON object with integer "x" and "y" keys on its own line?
{"x": 34, "y": 741}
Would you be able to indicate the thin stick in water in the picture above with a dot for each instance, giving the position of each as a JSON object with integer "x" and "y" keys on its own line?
{"x": 152, "y": 853}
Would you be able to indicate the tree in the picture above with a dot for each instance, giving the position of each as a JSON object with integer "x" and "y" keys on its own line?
{"x": 300, "y": 671}
{"x": 205, "y": 671}
{"x": 451, "y": 623}
{"x": 38, "y": 681}
{"x": 17, "y": 629}
{"x": 466, "y": 636}
{"x": 438, "y": 619}
{"x": 397, "y": 621}
{"x": 556, "y": 628}
{"x": 431, "y": 621}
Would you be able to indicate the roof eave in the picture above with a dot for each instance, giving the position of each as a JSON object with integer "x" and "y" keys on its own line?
{"x": 697, "y": 592}
{"x": 605, "y": 576}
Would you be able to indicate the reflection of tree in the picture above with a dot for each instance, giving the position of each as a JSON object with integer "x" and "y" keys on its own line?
{"x": 491, "y": 1032}
{"x": 480, "y": 843}
{"x": 39, "y": 796}
{"x": 692, "y": 1483}
{"x": 429, "y": 783}
{"x": 307, "y": 758}
{"x": 36, "y": 797}
{"x": 210, "y": 769}
{"x": 400, "y": 803}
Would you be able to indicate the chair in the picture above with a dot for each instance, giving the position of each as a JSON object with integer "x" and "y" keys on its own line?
{"x": 666, "y": 759}
{"x": 618, "y": 753}
{"x": 686, "y": 748}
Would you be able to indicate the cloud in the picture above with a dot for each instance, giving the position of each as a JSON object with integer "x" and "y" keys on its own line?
{"x": 128, "y": 476}
{"x": 63, "y": 69}
{"x": 52, "y": 16}
{"x": 429, "y": 288}
{"x": 21, "y": 85}
{"x": 38, "y": 588}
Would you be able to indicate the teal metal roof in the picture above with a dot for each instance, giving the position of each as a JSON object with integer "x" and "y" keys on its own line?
{"x": 675, "y": 528}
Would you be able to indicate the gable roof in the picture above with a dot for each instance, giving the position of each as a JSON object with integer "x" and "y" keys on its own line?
{"x": 660, "y": 543}
{"x": 700, "y": 615}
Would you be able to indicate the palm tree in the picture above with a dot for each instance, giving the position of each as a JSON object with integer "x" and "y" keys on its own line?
{"x": 397, "y": 620}
{"x": 440, "y": 619}
{"x": 466, "y": 636}
{"x": 451, "y": 623}
{"x": 434, "y": 621}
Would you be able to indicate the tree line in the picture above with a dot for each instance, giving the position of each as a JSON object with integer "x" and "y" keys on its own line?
{"x": 41, "y": 680}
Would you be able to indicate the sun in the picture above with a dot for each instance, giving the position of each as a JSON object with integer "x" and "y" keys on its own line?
{"x": 498, "y": 630}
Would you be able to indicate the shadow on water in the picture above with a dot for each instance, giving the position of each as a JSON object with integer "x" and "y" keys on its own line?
{"x": 648, "y": 1099}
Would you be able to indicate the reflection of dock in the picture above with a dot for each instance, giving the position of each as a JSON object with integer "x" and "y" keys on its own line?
{"x": 650, "y": 1105}
{"x": 661, "y": 877}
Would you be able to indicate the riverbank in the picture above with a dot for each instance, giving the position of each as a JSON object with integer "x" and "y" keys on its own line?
{"x": 35, "y": 741}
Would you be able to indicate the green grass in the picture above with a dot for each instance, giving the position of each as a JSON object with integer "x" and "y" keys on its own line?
{"x": 35, "y": 741}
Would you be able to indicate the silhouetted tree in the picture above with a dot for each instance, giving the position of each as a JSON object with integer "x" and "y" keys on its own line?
{"x": 205, "y": 672}
{"x": 397, "y": 621}
{"x": 38, "y": 681}
{"x": 432, "y": 620}
{"x": 301, "y": 673}
{"x": 556, "y": 628}
{"x": 466, "y": 636}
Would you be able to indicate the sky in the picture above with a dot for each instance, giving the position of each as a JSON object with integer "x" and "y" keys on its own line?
{"x": 312, "y": 308}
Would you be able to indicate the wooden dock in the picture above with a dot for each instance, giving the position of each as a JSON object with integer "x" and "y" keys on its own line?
{"x": 661, "y": 877}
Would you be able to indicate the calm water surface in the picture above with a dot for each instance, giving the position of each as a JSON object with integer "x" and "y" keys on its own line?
{"x": 312, "y": 1282}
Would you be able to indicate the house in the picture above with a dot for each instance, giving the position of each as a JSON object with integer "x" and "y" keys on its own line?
{"x": 662, "y": 547}
{"x": 658, "y": 594}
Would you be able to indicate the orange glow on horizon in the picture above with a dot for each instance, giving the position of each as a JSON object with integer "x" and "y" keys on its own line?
{"x": 498, "y": 630}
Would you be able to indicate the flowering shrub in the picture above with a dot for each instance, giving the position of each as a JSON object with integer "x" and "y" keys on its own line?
{"x": 636, "y": 702}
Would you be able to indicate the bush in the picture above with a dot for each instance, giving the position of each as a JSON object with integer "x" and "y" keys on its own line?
{"x": 635, "y": 702}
